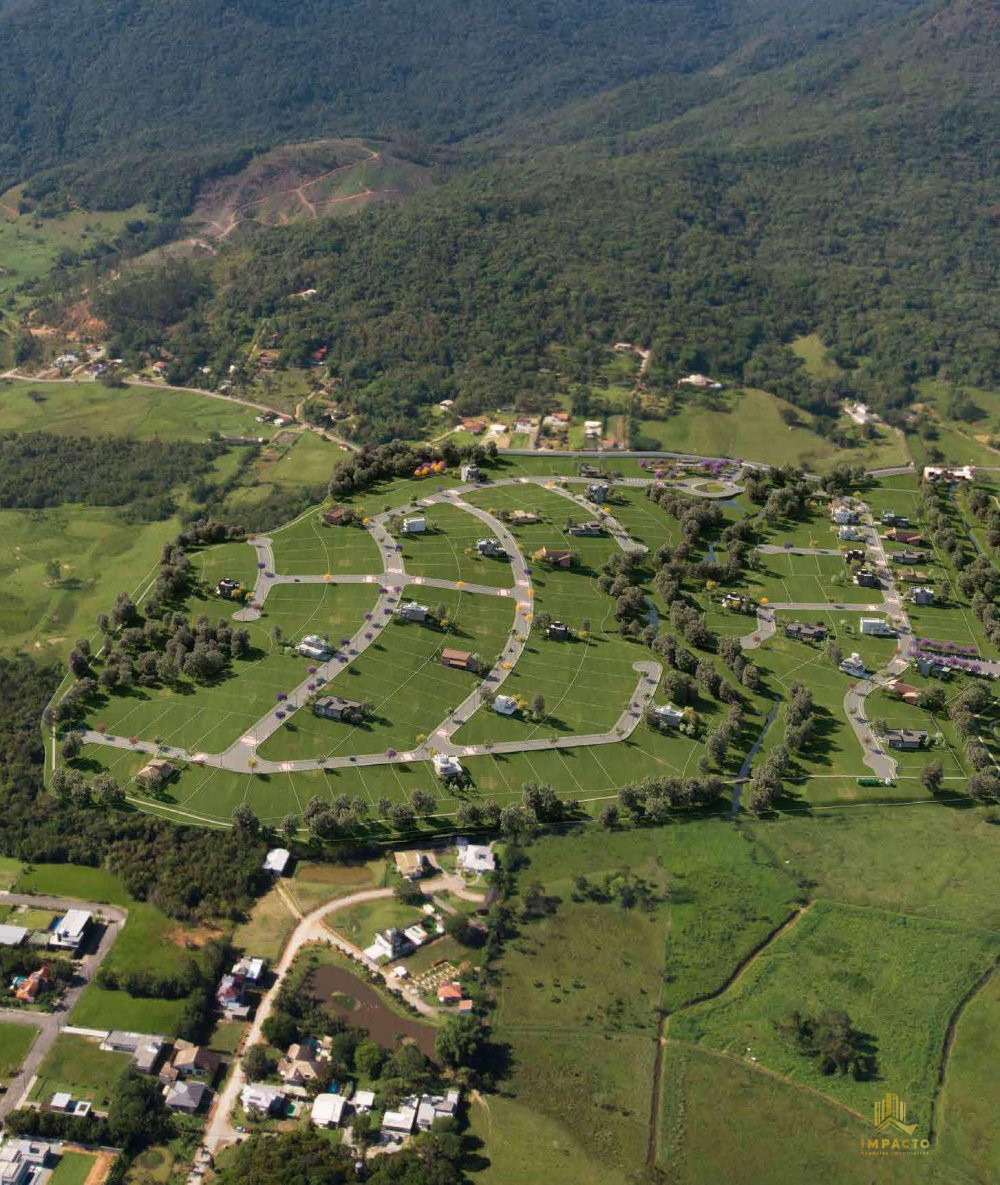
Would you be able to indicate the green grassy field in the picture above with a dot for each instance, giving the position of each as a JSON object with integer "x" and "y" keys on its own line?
{"x": 751, "y": 427}
{"x": 447, "y": 550}
{"x": 80, "y": 1067}
{"x": 73, "y": 1168}
{"x": 15, "y": 1041}
{"x": 309, "y": 547}
{"x": 902, "y": 999}
{"x": 264, "y": 933}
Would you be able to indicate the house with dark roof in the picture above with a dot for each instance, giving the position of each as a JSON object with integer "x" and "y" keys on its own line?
{"x": 802, "y": 632}
{"x": 335, "y": 707}
{"x": 905, "y": 738}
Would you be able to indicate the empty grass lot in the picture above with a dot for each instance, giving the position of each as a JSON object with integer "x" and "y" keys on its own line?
{"x": 264, "y": 933}
{"x": 15, "y": 1041}
{"x": 308, "y": 547}
{"x": 73, "y": 1168}
{"x": 80, "y": 1067}
{"x": 902, "y": 999}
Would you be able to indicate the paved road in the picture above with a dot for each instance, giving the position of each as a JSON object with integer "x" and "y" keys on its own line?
{"x": 50, "y": 1024}
{"x": 219, "y": 1128}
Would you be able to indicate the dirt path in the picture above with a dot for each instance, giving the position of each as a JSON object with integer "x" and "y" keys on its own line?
{"x": 653, "y": 1144}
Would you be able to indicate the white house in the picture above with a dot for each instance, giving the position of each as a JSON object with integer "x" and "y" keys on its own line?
{"x": 844, "y": 515}
{"x": 313, "y": 646}
{"x": 854, "y": 666}
{"x": 922, "y": 596}
{"x": 401, "y": 1121}
{"x": 668, "y": 714}
{"x": 446, "y": 766}
{"x": 876, "y": 627}
{"x": 414, "y": 524}
{"x": 593, "y": 428}
{"x": 259, "y": 1096}
{"x": 328, "y": 1109}
{"x": 23, "y": 1161}
{"x": 250, "y": 969}
{"x": 12, "y": 935}
{"x": 470, "y": 471}
{"x": 435, "y": 1106}
{"x": 411, "y": 611}
{"x": 363, "y": 1100}
{"x": 276, "y": 861}
{"x": 849, "y": 534}
{"x": 71, "y": 929}
{"x": 475, "y": 857}
{"x": 506, "y": 705}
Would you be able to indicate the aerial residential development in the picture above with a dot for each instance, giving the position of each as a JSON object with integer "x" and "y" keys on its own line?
{"x": 500, "y": 635}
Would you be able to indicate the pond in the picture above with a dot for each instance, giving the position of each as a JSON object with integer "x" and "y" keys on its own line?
{"x": 359, "y": 1004}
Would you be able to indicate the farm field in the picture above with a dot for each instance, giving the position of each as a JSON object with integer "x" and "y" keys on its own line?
{"x": 823, "y": 962}
{"x": 91, "y": 409}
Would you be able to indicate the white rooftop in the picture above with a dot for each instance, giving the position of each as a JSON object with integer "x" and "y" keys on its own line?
{"x": 474, "y": 857}
{"x": 506, "y": 705}
{"x": 277, "y": 859}
{"x": 12, "y": 935}
{"x": 328, "y": 1109}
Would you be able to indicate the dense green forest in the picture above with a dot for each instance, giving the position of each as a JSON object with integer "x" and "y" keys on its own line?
{"x": 39, "y": 469}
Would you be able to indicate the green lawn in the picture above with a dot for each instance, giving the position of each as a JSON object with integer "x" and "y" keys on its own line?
{"x": 447, "y": 550}
{"x": 402, "y": 676}
{"x": 79, "y": 1066}
{"x": 264, "y": 933}
{"x": 308, "y": 547}
{"x": 902, "y": 999}
{"x": 99, "y": 1008}
{"x": 73, "y": 1168}
{"x": 15, "y": 1041}
{"x": 73, "y": 880}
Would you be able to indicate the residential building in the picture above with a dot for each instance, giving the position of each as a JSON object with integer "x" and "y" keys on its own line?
{"x": 906, "y": 691}
{"x": 414, "y": 525}
{"x": 557, "y": 557}
{"x": 922, "y": 596}
{"x": 598, "y": 491}
{"x": 592, "y": 429}
{"x": 146, "y": 1048}
{"x": 890, "y": 519}
{"x": 449, "y": 992}
{"x": 155, "y": 774}
{"x": 852, "y": 665}
{"x": 866, "y": 578}
{"x": 854, "y": 555}
{"x": 906, "y": 556}
{"x": 230, "y": 995}
{"x": 401, "y": 1121}
{"x": 335, "y": 707}
{"x": 23, "y": 1162}
{"x": 328, "y": 1109}
{"x": 434, "y": 1106}
{"x": 314, "y": 646}
{"x": 876, "y": 627}
{"x": 668, "y": 714}
{"x": 913, "y": 576}
{"x": 363, "y": 1100}
{"x": 905, "y": 738}
{"x": 262, "y": 1098}
{"x": 933, "y": 667}
{"x": 339, "y": 516}
{"x": 411, "y": 611}
{"x": 475, "y": 857}
{"x": 392, "y": 944}
{"x": 251, "y": 969}
{"x": 229, "y": 590}
{"x": 71, "y": 929}
{"x": 844, "y": 515}
{"x": 492, "y": 548}
{"x": 411, "y": 865}
{"x": 898, "y": 535}
{"x": 303, "y": 1062}
{"x": 470, "y": 472}
{"x": 849, "y": 534}
{"x": 446, "y": 766}
{"x": 701, "y": 381}
{"x": 12, "y": 935}
{"x": 276, "y": 861}
{"x": 506, "y": 705}
{"x": 524, "y": 518}
{"x": 460, "y": 660}
{"x": 805, "y": 633}
{"x": 590, "y": 528}
{"x": 954, "y": 473}
{"x": 192, "y": 1061}
{"x": 186, "y": 1097}
{"x": 557, "y": 631}
{"x": 27, "y": 988}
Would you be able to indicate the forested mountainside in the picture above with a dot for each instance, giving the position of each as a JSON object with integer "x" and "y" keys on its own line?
{"x": 849, "y": 191}
{"x": 86, "y": 79}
